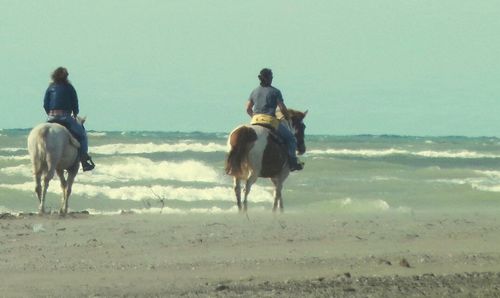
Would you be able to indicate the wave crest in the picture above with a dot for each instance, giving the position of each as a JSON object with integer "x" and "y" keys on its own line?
{"x": 122, "y": 148}
{"x": 139, "y": 193}
{"x": 462, "y": 154}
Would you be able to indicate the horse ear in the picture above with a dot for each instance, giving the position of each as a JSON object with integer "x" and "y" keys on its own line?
{"x": 305, "y": 113}
{"x": 82, "y": 119}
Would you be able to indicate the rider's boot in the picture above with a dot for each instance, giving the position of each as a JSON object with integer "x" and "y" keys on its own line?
{"x": 295, "y": 164}
{"x": 87, "y": 163}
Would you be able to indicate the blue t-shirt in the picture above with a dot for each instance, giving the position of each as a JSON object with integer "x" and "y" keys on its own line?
{"x": 61, "y": 96}
{"x": 265, "y": 100}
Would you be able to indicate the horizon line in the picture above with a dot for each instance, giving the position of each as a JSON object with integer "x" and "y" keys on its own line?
{"x": 312, "y": 134}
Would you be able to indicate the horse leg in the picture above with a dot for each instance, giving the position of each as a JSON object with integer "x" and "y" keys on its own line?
{"x": 250, "y": 181}
{"x": 64, "y": 184}
{"x": 69, "y": 186}
{"x": 38, "y": 186}
{"x": 237, "y": 191}
{"x": 278, "y": 199}
{"x": 46, "y": 179}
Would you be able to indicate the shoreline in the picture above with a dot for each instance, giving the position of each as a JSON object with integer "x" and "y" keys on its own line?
{"x": 229, "y": 255}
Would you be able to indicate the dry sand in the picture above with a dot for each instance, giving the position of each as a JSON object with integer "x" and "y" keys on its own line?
{"x": 288, "y": 255}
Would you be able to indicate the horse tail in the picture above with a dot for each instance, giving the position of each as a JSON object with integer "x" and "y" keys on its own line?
{"x": 241, "y": 141}
{"x": 38, "y": 149}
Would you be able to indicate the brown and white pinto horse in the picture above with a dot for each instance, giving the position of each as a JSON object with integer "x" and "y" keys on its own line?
{"x": 255, "y": 153}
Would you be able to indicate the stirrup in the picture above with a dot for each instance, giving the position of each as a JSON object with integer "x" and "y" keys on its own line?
{"x": 297, "y": 166}
{"x": 88, "y": 165}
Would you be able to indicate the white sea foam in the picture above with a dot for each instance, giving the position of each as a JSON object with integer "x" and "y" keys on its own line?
{"x": 491, "y": 188}
{"x": 4, "y": 209}
{"x": 490, "y": 184}
{"x": 168, "y": 210}
{"x": 125, "y": 169}
{"x": 22, "y": 170}
{"x": 384, "y": 178}
{"x": 464, "y": 154}
{"x": 96, "y": 134}
{"x": 491, "y": 174}
{"x": 139, "y": 193}
{"x": 369, "y": 205}
{"x": 346, "y": 202}
{"x": 24, "y": 157}
{"x": 455, "y": 154}
{"x": 121, "y": 148}
{"x": 360, "y": 152}
{"x": 7, "y": 149}
{"x": 138, "y": 168}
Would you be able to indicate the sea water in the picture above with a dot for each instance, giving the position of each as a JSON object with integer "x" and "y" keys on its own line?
{"x": 175, "y": 172}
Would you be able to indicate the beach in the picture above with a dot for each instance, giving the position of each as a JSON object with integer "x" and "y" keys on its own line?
{"x": 369, "y": 216}
{"x": 255, "y": 255}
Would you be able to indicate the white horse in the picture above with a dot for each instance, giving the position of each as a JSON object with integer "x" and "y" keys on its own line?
{"x": 52, "y": 150}
{"x": 255, "y": 153}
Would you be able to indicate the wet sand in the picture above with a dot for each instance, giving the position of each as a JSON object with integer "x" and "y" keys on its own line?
{"x": 227, "y": 255}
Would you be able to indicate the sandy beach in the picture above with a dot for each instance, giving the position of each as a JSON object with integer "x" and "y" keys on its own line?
{"x": 262, "y": 255}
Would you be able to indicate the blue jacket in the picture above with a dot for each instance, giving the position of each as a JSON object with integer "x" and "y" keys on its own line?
{"x": 61, "y": 97}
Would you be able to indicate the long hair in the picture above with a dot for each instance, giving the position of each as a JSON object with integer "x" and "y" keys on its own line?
{"x": 60, "y": 76}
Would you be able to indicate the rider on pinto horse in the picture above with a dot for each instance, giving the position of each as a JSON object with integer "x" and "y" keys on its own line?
{"x": 60, "y": 103}
{"x": 262, "y": 105}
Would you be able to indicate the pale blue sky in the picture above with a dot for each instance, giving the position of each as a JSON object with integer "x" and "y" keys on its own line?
{"x": 397, "y": 67}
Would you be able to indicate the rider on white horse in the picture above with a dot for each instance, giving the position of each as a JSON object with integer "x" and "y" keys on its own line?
{"x": 262, "y": 106}
{"x": 61, "y": 105}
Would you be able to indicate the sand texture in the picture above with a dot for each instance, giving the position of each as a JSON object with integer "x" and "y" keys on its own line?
{"x": 228, "y": 255}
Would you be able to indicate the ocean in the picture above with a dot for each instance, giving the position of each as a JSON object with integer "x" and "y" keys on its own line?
{"x": 183, "y": 173}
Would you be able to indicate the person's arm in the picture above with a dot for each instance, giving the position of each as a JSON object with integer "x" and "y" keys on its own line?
{"x": 250, "y": 108}
{"x": 46, "y": 101}
{"x": 76, "y": 109}
{"x": 282, "y": 106}
{"x": 284, "y": 110}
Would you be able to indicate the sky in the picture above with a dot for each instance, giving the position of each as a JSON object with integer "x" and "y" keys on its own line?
{"x": 413, "y": 67}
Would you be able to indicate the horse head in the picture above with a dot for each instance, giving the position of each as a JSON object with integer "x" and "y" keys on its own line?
{"x": 297, "y": 122}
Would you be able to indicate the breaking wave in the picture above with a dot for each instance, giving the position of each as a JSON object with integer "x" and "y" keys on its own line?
{"x": 168, "y": 210}
{"x": 12, "y": 149}
{"x": 139, "y": 193}
{"x": 370, "y": 205}
{"x": 138, "y": 168}
{"x": 12, "y": 157}
{"x": 96, "y": 134}
{"x": 464, "y": 154}
{"x": 489, "y": 182}
{"x": 125, "y": 169}
{"x": 22, "y": 170}
{"x": 121, "y": 148}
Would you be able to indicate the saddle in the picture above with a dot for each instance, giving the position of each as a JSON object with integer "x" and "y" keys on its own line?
{"x": 75, "y": 140}
{"x": 66, "y": 125}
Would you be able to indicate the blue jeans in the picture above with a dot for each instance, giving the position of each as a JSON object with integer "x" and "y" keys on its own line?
{"x": 75, "y": 128}
{"x": 290, "y": 141}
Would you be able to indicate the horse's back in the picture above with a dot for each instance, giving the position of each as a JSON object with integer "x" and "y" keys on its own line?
{"x": 51, "y": 142}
